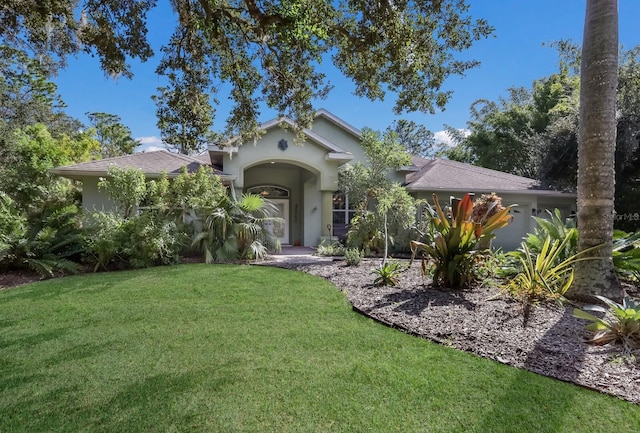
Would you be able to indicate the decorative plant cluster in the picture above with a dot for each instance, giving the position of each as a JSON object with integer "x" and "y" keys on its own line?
{"x": 620, "y": 325}
{"x": 547, "y": 274}
{"x": 452, "y": 250}
{"x": 333, "y": 248}
{"x": 388, "y": 274}
{"x": 353, "y": 256}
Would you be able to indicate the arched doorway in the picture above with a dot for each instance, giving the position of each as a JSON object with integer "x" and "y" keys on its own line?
{"x": 280, "y": 198}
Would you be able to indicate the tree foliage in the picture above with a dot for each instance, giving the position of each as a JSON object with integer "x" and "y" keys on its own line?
{"x": 114, "y": 137}
{"x": 380, "y": 203}
{"x": 267, "y": 52}
{"x": 51, "y": 30}
{"x": 416, "y": 139}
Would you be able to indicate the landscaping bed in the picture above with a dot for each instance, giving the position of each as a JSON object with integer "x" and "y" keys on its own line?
{"x": 485, "y": 322}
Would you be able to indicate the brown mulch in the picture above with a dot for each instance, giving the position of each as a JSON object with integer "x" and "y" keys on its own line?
{"x": 479, "y": 321}
{"x": 484, "y": 322}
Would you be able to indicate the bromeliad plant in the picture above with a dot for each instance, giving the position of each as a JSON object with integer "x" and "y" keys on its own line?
{"x": 546, "y": 274}
{"x": 388, "y": 274}
{"x": 622, "y": 326}
{"x": 453, "y": 244}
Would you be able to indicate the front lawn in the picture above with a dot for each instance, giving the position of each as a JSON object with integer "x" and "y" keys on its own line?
{"x": 239, "y": 348}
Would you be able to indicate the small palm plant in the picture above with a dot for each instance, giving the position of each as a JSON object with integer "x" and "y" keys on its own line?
{"x": 622, "y": 325}
{"x": 234, "y": 229}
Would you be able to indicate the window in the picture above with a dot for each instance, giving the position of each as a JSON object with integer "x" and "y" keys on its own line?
{"x": 343, "y": 212}
{"x": 269, "y": 191}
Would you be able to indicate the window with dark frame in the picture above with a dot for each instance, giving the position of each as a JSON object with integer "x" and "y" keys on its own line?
{"x": 343, "y": 211}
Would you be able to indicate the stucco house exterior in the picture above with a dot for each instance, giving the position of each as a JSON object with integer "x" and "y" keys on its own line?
{"x": 302, "y": 180}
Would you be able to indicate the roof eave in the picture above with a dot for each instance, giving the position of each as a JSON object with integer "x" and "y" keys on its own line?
{"x": 339, "y": 156}
{"x": 538, "y": 192}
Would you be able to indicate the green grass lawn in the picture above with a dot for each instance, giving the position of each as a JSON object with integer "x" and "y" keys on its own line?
{"x": 253, "y": 349}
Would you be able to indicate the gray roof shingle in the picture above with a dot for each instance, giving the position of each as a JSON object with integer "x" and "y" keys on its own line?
{"x": 153, "y": 164}
{"x": 442, "y": 174}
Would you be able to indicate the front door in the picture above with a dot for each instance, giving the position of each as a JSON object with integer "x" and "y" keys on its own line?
{"x": 280, "y": 229}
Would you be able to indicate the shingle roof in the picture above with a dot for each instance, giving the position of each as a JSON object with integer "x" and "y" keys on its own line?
{"x": 153, "y": 164}
{"x": 442, "y": 174}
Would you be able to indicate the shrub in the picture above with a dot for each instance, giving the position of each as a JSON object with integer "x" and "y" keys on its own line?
{"x": 388, "y": 273}
{"x": 46, "y": 247}
{"x": 353, "y": 256}
{"x": 451, "y": 248}
{"x": 103, "y": 241}
{"x": 333, "y": 248}
{"x": 626, "y": 255}
{"x": 622, "y": 324}
{"x": 234, "y": 229}
{"x": 137, "y": 242}
{"x": 543, "y": 276}
{"x": 152, "y": 241}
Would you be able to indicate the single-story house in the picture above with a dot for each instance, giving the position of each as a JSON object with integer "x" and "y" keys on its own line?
{"x": 302, "y": 180}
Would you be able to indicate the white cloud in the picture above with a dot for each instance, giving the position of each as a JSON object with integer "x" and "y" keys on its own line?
{"x": 443, "y": 137}
{"x": 149, "y": 144}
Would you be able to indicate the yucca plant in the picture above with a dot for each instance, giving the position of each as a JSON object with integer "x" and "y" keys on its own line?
{"x": 622, "y": 324}
{"x": 454, "y": 241}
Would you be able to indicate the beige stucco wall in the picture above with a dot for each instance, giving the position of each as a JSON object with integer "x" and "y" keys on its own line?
{"x": 308, "y": 155}
{"x": 94, "y": 200}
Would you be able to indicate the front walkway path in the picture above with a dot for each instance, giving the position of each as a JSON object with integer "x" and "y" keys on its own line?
{"x": 295, "y": 255}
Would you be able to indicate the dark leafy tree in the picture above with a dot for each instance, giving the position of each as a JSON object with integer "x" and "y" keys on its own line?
{"x": 114, "y": 137}
{"x": 417, "y": 139}
{"x": 268, "y": 52}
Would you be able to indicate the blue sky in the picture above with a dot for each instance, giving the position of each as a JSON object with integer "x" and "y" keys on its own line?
{"x": 514, "y": 57}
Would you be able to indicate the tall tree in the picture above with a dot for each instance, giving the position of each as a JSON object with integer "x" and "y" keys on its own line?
{"x": 596, "y": 149}
{"x": 114, "y": 137}
{"x": 268, "y": 51}
{"x": 417, "y": 139}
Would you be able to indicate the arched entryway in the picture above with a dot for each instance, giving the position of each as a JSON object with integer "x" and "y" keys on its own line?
{"x": 295, "y": 190}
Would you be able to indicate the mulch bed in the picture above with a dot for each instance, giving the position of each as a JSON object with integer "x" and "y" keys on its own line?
{"x": 484, "y": 322}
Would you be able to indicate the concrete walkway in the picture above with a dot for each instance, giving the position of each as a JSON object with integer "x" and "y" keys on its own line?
{"x": 296, "y": 255}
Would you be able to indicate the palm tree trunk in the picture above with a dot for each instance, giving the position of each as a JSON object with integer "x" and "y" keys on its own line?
{"x": 596, "y": 150}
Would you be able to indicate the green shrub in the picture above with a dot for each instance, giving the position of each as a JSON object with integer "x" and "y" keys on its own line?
{"x": 46, "y": 246}
{"x": 626, "y": 255}
{"x": 353, "y": 256}
{"x": 137, "y": 242}
{"x": 234, "y": 229}
{"x": 152, "y": 241}
{"x": 388, "y": 274}
{"x": 621, "y": 326}
{"x": 543, "y": 275}
{"x": 333, "y": 248}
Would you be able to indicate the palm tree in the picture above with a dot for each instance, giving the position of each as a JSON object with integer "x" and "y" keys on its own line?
{"x": 234, "y": 229}
{"x": 596, "y": 148}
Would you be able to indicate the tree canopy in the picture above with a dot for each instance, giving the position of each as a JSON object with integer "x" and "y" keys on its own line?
{"x": 268, "y": 52}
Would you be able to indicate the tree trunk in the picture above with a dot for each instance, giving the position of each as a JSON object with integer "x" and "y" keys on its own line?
{"x": 596, "y": 150}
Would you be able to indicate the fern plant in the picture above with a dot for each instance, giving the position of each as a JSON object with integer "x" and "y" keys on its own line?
{"x": 622, "y": 324}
